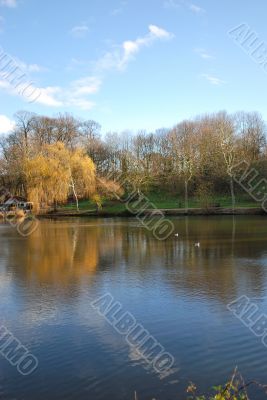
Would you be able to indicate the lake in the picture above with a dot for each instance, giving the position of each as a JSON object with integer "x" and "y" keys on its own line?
{"x": 178, "y": 292}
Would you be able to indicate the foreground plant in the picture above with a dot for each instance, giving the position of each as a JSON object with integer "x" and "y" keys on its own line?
{"x": 235, "y": 389}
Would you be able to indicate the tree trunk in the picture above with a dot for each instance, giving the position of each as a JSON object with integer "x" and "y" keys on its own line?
{"x": 75, "y": 194}
{"x": 232, "y": 192}
{"x": 77, "y": 201}
{"x": 186, "y": 194}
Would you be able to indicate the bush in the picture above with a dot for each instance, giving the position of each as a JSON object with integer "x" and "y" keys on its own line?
{"x": 235, "y": 389}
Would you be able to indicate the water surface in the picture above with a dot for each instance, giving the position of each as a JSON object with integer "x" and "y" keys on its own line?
{"x": 177, "y": 291}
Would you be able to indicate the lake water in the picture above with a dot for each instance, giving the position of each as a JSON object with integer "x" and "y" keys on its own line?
{"x": 177, "y": 291}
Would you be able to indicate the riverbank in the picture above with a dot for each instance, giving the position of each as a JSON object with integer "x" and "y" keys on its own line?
{"x": 166, "y": 212}
{"x": 161, "y": 202}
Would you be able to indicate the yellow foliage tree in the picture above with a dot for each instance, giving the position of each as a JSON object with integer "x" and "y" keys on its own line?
{"x": 53, "y": 173}
{"x": 82, "y": 175}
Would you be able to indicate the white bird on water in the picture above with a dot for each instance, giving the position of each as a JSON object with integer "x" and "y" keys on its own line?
{"x": 176, "y": 234}
{"x": 197, "y": 244}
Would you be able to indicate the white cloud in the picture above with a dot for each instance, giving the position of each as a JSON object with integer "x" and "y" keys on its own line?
{"x": 123, "y": 54}
{"x": 48, "y": 95}
{"x": 117, "y": 59}
{"x": 178, "y": 3}
{"x": 79, "y": 31}
{"x": 159, "y": 32}
{"x": 9, "y": 3}
{"x": 196, "y": 9}
{"x": 203, "y": 54}
{"x": 213, "y": 80}
{"x": 6, "y": 124}
{"x": 78, "y": 92}
{"x": 4, "y": 84}
{"x": 35, "y": 68}
{"x": 28, "y": 68}
{"x": 75, "y": 93}
{"x": 172, "y": 3}
{"x": 88, "y": 85}
{"x": 11, "y": 62}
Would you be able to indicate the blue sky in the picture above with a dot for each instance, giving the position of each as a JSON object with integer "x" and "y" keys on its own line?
{"x": 132, "y": 64}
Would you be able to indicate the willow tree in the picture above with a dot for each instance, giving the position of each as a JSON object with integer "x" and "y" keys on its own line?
{"x": 47, "y": 175}
{"x": 56, "y": 171}
{"x": 81, "y": 175}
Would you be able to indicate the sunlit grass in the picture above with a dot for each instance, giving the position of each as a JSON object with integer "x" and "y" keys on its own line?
{"x": 163, "y": 201}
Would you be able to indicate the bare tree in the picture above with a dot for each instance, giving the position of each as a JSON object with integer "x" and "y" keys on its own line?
{"x": 229, "y": 147}
{"x": 184, "y": 152}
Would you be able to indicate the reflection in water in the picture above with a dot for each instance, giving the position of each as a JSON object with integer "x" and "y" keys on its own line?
{"x": 179, "y": 292}
{"x": 61, "y": 253}
{"x": 56, "y": 253}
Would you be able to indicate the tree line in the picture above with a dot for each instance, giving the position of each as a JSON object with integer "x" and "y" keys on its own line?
{"x": 47, "y": 160}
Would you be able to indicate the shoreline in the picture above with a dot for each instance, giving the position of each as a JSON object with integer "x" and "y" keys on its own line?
{"x": 164, "y": 212}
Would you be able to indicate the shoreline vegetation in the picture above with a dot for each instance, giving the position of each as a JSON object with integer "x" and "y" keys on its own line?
{"x": 160, "y": 204}
{"x": 201, "y": 166}
{"x": 235, "y": 389}
{"x": 167, "y": 212}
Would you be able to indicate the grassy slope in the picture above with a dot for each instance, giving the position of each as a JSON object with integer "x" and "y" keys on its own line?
{"x": 163, "y": 201}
